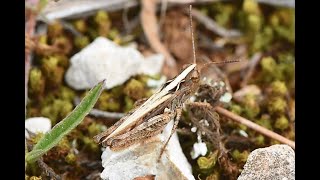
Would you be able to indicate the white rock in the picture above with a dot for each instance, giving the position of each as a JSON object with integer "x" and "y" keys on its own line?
{"x": 199, "y": 148}
{"x": 103, "y": 59}
{"x": 37, "y": 125}
{"x": 274, "y": 162}
{"x": 141, "y": 159}
{"x": 226, "y": 97}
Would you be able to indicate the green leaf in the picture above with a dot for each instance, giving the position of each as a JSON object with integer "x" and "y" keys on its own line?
{"x": 52, "y": 138}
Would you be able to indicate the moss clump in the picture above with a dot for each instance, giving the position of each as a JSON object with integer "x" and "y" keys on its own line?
{"x": 95, "y": 128}
{"x": 108, "y": 102}
{"x": 281, "y": 123}
{"x": 128, "y": 103}
{"x": 134, "y": 89}
{"x": 81, "y": 41}
{"x": 259, "y": 140}
{"x": 262, "y": 40}
{"x": 240, "y": 156}
{"x": 80, "y": 25}
{"x": 223, "y": 13}
{"x": 251, "y": 107}
{"x": 103, "y": 23}
{"x": 63, "y": 44}
{"x": 235, "y": 108}
{"x": 278, "y": 88}
{"x": 265, "y": 121}
{"x": 251, "y": 7}
{"x": 52, "y": 71}
{"x": 90, "y": 144}
{"x": 277, "y": 105}
{"x": 36, "y": 82}
{"x": 55, "y": 29}
{"x": 209, "y": 162}
{"x": 56, "y": 110}
{"x": 71, "y": 158}
{"x": 66, "y": 93}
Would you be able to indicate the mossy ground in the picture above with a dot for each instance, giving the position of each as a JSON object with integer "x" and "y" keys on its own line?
{"x": 266, "y": 29}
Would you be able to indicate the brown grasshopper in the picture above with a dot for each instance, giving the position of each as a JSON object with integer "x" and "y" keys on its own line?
{"x": 150, "y": 118}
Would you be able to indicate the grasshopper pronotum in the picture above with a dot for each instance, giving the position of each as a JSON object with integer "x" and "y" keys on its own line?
{"x": 150, "y": 118}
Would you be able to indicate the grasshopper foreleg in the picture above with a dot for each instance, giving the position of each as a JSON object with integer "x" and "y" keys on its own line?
{"x": 174, "y": 127}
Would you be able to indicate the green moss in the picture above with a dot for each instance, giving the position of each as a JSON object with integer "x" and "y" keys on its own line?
{"x": 35, "y": 139}
{"x": 251, "y": 7}
{"x": 262, "y": 40}
{"x": 224, "y": 13}
{"x": 134, "y": 89}
{"x": 90, "y": 144}
{"x": 55, "y": 29}
{"x": 240, "y": 156}
{"x": 254, "y": 23}
{"x": 236, "y": 109}
{"x": 277, "y": 105}
{"x": 209, "y": 162}
{"x": 278, "y": 88}
{"x": 71, "y": 158}
{"x": 36, "y": 82}
{"x": 281, "y": 123}
{"x": 128, "y": 103}
{"x": 66, "y": 93}
{"x": 95, "y": 128}
{"x": 81, "y": 41}
{"x": 259, "y": 140}
{"x": 80, "y": 25}
{"x": 265, "y": 121}
{"x": 53, "y": 73}
{"x": 251, "y": 107}
{"x": 108, "y": 102}
{"x": 56, "y": 110}
{"x": 64, "y": 44}
{"x": 104, "y": 23}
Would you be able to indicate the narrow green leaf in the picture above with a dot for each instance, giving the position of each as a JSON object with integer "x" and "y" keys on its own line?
{"x": 52, "y": 138}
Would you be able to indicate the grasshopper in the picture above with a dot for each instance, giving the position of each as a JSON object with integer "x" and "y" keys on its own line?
{"x": 152, "y": 116}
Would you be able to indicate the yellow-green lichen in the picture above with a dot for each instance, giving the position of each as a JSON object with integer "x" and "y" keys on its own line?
{"x": 65, "y": 93}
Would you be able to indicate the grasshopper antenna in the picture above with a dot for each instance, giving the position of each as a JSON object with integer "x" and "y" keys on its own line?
{"x": 192, "y": 38}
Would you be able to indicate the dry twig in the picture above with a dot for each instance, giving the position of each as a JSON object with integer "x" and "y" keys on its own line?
{"x": 255, "y": 126}
{"x": 150, "y": 28}
{"x": 211, "y": 25}
{"x": 250, "y": 69}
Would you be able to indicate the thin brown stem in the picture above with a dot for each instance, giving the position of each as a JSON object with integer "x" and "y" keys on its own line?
{"x": 255, "y": 126}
